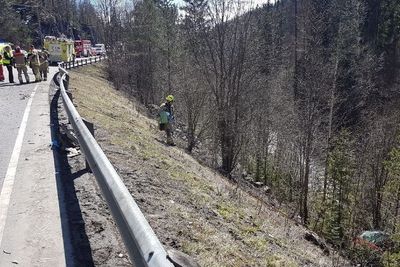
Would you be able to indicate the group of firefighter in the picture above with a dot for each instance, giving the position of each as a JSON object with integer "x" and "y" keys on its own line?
{"x": 36, "y": 59}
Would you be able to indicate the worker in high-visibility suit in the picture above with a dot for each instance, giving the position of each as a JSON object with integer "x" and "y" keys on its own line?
{"x": 166, "y": 119}
{"x": 1, "y": 69}
{"x": 20, "y": 63}
{"x": 8, "y": 62}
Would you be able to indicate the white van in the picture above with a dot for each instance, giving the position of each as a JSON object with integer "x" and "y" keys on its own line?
{"x": 100, "y": 49}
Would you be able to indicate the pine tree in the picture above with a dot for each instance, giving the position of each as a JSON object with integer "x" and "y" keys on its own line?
{"x": 340, "y": 171}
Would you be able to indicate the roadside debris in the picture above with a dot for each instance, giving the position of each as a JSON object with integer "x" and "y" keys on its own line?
{"x": 54, "y": 145}
{"x": 24, "y": 96}
{"x": 72, "y": 152}
{"x": 68, "y": 137}
{"x": 181, "y": 259}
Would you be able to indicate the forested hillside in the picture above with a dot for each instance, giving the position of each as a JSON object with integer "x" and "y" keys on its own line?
{"x": 23, "y": 22}
{"x": 302, "y": 95}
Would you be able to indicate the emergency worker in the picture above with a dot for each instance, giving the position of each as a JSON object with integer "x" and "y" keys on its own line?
{"x": 44, "y": 64}
{"x": 8, "y": 62}
{"x": 1, "y": 69}
{"x": 34, "y": 63}
{"x": 30, "y": 54}
{"x": 20, "y": 64}
{"x": 166, "y": 118}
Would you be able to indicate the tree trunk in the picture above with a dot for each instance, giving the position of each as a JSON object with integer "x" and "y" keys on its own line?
{"x": 396, "y": 212}
{"x": 226, "y": 148}
{"x": 380, "y": 182}
{"x": 330, "y": 125}
{"x": 377, "y": 216}
{"x": 296, "y": 71}
{"x": 306, "y": 180}
{"x": 265, "y": 167}
{"x": 191, "y": 143}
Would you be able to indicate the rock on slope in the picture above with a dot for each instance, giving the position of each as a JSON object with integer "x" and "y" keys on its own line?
{"x": 190, "y": 207}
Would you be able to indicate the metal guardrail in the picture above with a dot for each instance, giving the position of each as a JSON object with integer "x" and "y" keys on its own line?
{"x": 142, "y": 244}
{"x": 80, "y": 62}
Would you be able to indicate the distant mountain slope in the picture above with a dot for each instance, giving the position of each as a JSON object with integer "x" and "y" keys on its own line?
{"x": 190, "y": 207}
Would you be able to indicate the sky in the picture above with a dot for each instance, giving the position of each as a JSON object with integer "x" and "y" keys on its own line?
{"x": 255, "y": 2}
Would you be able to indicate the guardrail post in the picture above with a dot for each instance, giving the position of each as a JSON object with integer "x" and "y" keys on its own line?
{"x": 66, "y": 83}
{"x": 69, "y": 94}
{"x": 90, "y": 127}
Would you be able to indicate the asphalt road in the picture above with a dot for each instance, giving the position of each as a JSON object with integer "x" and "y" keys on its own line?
{"x": 13, "y": 100}
{"x": 31, "y": 229}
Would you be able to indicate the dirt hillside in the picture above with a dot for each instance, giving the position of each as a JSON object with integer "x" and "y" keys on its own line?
{"x": 190, "y": 207}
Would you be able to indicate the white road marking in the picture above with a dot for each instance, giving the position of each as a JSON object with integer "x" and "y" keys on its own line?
{"x": 8, "y": 184}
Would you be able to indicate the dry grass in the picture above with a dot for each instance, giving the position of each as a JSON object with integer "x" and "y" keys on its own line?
{"x": 189, "y": 206}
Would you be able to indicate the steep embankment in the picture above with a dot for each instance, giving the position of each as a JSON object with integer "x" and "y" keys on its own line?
{"x": 190, "y": 207}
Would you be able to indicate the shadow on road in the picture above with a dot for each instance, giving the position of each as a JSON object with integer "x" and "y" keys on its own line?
{"x": 76, "y": 242}
{"x": 2, "y": 85}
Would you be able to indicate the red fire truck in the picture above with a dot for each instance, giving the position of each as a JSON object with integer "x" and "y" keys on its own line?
{"x": 83, "y": 48}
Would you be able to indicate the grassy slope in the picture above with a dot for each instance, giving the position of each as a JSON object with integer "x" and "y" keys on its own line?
{"x": 190, "y": 207}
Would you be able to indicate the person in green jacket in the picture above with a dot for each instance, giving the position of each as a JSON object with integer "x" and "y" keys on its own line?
{"x": 166, "y": 118}
{"x": 8, "y": 62}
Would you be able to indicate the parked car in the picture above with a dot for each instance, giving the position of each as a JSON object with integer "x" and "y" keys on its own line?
{"x": 100, "y": 49}
{"x": 375, "y": 240}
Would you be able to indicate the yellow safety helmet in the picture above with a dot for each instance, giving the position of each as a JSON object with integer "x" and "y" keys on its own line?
{"x": 170, "y": 98}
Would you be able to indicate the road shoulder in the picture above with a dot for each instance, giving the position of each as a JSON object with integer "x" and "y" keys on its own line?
{"x": 33, "y": 234}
